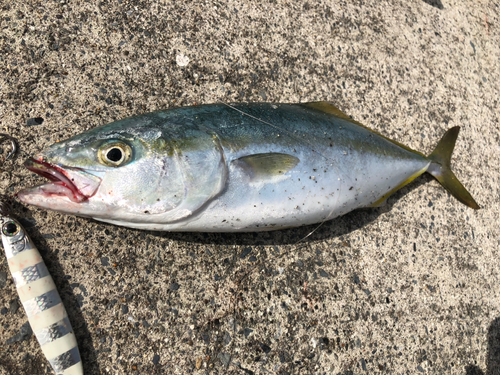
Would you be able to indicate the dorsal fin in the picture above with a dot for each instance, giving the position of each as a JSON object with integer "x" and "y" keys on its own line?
{"x": 331, "y": 109}
{"x": 326, "y": 107}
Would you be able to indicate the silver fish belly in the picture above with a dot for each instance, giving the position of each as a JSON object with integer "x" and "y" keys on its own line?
{"x": 41, "y": 301}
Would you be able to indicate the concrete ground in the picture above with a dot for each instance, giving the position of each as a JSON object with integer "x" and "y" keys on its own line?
{"x": 409, "y": 288}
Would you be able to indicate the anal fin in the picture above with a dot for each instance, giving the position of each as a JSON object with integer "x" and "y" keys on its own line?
{"x": 383, "y": 200}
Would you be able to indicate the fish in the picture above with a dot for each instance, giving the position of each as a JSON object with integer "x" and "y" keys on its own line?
{"x": 39, "y": 296}
{"x": 231, "y": 168}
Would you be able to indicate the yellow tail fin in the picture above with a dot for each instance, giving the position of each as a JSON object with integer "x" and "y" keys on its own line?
{"x": 441, "y": 170}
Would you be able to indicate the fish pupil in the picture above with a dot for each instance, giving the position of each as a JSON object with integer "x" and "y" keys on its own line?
{"x": 10, "y": 229}
{"x": 114, "y": 155}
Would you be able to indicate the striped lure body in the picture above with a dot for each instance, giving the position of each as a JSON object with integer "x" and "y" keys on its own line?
{"x": 40, "y": 299}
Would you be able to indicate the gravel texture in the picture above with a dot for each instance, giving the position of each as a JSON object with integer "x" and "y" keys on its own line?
{"x": 405, "y": 289}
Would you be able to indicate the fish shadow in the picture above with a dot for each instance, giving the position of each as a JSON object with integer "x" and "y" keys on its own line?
{"x": 335, "y": 228}
{"x": 65, "y": 288}
{"x": 493, "y": 357}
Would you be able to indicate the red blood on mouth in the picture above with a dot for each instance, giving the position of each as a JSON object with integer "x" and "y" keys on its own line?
{"x": 57, "y": 176}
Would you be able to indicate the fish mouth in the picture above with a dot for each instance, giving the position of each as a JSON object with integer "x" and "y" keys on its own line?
{"x": 73, "y": 183}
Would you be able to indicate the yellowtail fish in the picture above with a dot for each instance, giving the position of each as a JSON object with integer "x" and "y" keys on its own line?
{"x": 37, "y": 291}
{"x": 230, "y": 168}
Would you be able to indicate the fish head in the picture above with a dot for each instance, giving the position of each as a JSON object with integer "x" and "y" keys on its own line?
{"x": 129, "y": 172}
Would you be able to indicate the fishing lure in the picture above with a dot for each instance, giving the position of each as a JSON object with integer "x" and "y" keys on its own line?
{"x": 41, "y": 301}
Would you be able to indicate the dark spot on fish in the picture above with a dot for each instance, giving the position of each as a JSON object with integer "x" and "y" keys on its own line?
{"x": 146, "y": 212}
{"x": 351, "y": 187}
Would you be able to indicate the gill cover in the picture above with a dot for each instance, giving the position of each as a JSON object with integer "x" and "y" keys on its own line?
{"x": 199, "y": 159}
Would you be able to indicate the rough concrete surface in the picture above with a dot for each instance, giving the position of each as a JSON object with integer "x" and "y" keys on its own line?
{"x": 409, "y": 288}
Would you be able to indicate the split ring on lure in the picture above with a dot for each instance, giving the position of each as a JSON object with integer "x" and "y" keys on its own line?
{"x": 13, "y": 144}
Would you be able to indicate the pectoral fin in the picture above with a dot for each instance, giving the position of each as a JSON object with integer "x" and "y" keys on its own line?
{"x": 265, "y": 166}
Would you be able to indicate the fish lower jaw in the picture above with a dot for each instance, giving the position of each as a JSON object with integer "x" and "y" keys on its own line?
{"x": 48, "y": 192}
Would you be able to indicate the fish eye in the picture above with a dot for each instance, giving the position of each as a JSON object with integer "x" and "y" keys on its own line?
{"x": 115, "y": 154}
{"x": 10, "y": 229}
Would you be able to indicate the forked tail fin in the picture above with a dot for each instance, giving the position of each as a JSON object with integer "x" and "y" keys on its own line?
{"x": 441, "y": 170}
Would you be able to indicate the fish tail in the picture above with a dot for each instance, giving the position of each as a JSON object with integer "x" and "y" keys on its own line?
{"x": 440, "y": 168}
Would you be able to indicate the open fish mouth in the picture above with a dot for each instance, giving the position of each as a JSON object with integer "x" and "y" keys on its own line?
{"x": 73, "y": 183}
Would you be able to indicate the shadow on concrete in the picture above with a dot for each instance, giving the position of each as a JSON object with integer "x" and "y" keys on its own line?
{"x": 435, "y": 3}
{"x": 300, "y": 235}
{"x": 473, "y": 370}
{"x": 493, "y": 357}
{"x": 68, "y": 296}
